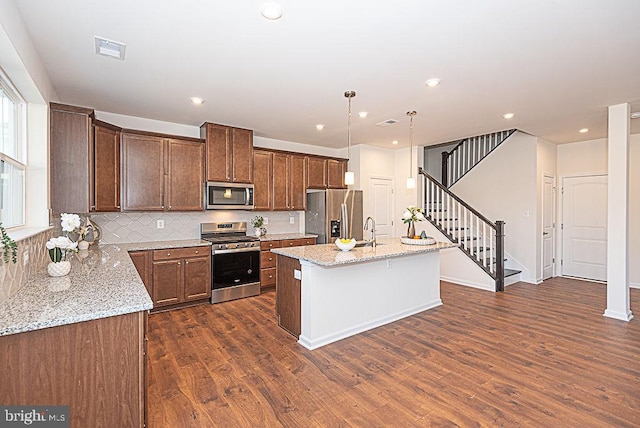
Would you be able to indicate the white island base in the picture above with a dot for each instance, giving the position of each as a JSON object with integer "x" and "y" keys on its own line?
{"x": 342, "y": 300}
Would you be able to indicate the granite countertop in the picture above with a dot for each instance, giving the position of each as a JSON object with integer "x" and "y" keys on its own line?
{"x": 103, "y": 282}
{"x": 281, "y": 236}
{"x": 330, "y": 255}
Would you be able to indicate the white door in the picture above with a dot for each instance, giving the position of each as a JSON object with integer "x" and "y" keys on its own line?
{"x": 584, "y": 227}
{"x": 548, "y": 226}
{"x": 381, "y": 193}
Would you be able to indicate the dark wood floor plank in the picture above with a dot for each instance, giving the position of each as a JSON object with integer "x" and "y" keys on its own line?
{"x": 535, "y": 355}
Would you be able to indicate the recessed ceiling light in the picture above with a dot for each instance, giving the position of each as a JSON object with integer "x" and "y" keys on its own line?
{"x": 272, "y": 11}
{"x": 197, "y": 100}
{"x": 319, "y": 127}
{"x": 584, "y": 130}
{"x": 363, "y": 114}
{"x": 635, "y": 115}
{"x": 109, "y": 48}
{"x": 508, "y": 115}
{"x": 394, "y": 142}
{"x": 432, "y": 82}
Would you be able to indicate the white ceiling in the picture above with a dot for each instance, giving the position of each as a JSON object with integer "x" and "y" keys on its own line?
{"x": 557, "y": 64}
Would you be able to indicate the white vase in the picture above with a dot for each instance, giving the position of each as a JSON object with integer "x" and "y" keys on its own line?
{"x": 59, "y": 269}
{"x": 257, "y": 232}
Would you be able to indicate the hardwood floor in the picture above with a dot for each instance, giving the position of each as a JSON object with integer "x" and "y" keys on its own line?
{"x": 532, "y": 356}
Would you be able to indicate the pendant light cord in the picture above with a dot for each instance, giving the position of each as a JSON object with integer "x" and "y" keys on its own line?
{"x": 411, "y": 114}
{"x": 349, "y": 95}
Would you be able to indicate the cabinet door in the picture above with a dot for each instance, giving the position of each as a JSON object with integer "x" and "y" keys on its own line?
{"x": 263, "y": 178}
{"x": 281, "y": 181}
{"x": 185, "y": 175}
{"x": 107, "y": 169}
{"x": 168, "y": 286}
{"x": 142, "y": 261}
{"x": 71, "y": 160}
{"x": 316, "y": 173}
{"x": 143, "y": 173}
{"x": 298, "y": 186}
{"x": 218, "y": 146}
{"x": 197, "y": 278}
{"x": 335, "y": 173}
{"x": 242, "y": 155}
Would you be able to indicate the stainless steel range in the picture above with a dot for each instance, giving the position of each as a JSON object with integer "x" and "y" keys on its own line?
{"x": 235, "y": 261}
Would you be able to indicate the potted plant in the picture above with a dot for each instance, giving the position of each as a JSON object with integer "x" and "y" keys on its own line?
{"x": 258, "y": 226}
{"x": 8, "y": 247}
{"x": 410, "y": 216}
{"x": 58, "y": 249}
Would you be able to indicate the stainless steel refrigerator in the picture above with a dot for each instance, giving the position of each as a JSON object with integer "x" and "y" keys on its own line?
{"x": 325, "y": 218}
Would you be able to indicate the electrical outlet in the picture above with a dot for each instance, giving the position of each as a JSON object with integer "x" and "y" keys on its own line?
{"x": 25, "y": 258}
{"x": 292, "y": 220}
{"x": 160, "y": 224}
{"x": 266, "y": 220}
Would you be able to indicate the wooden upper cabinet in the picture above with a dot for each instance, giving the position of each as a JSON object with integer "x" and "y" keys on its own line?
{"x": 242, "y": 160}
{"x": 143, "y": 162}
{"x": 106, "y": 142}
{"x": 71, "y": 159}
{"x": 298, "y": 186}
{"x": 229, "y": 153}
{"x": 316, "y": 172}
{"x": 185, "y": 175}
{"x": 263, "y": 177}
{"x": 335, "y": 173}
{"x": 281, "y": 181}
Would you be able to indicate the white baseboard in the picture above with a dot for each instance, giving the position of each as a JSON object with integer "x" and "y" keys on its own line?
{"x": 465, "y": 283}
{"x": 634, "y": 284}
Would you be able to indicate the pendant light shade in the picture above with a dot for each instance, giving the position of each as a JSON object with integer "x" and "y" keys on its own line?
{"x": 411, "y": 182}
{"x": 349, "y": 176}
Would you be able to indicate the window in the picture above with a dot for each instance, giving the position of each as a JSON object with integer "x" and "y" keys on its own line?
{"x": 12, "y": 155}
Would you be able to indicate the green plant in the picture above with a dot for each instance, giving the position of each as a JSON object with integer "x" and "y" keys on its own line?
{"x": 9, "y": 246}
{"x": 257, "y": 221}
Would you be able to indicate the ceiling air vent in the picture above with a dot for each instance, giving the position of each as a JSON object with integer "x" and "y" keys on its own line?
{"x": 387, "y": 122}
{"x": 110, "y": 48}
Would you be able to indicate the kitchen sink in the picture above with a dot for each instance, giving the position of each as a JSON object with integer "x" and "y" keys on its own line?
{"x": 366, "y": 244}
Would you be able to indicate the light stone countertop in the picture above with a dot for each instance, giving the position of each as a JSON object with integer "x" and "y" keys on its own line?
{"x": 103, "y": 282}
{"x": 281, "y": 236}
{"x": 331, "y": 255}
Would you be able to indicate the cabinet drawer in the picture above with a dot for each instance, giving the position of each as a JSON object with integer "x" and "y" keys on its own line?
{"x": 267, "y": 245}
{"x": 267, "y": 260}
{"x": 298, "y": 242}
{"x": 180, "y": 253}
{"x": 267, "y": 277}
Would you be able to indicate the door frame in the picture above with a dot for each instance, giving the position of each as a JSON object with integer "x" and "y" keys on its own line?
{"x": 554, "y": 191}
{"x": 393, "y": 198}
{"x": 560, "y": 241}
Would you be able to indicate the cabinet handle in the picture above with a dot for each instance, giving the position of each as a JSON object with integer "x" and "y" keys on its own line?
{"x": 270, "y": 276}
{"x": 196, "y": 251}
{"x": 162, "y": 206}
{"x": 186, "y": 263}
{"x": 168, "y": 254}
{"x": 270, "y": 259}
{"x": 178, "y": 263}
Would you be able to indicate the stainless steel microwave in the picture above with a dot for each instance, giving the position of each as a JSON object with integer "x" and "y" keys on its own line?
{"x": 229, "y": 196}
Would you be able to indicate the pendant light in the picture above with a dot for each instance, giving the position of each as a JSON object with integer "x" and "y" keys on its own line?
{"x": 349, "y": 176}
{"x": 411, "y": 182}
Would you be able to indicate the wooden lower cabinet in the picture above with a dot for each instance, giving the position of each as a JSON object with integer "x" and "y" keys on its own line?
{"x": 175, "y": 277}
{"x": 288, "y": 295}
{"x": 96, "y": 367}
{"x": 268, "y": 269}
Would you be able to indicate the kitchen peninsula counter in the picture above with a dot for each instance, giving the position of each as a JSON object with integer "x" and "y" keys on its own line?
{"x": 324, "y": 295}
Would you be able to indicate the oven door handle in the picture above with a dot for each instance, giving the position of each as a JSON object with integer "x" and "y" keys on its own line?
{"x": 236, "y": 250}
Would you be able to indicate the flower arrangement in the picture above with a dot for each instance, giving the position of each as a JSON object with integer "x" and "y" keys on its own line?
{"x": 59, "y": 248}
{"x": 257, "y": 221}
{"x": 70, "y": 223}
{"x": 412, "y": 214}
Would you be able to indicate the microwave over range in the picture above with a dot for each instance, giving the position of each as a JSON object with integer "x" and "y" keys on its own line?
{"x": 228, "y": 196}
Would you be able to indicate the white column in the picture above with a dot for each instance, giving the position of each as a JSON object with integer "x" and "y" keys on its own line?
{"x": 618, "y": 214}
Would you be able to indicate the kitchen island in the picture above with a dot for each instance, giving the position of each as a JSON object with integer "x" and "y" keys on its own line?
{"x": 324, "y": 294}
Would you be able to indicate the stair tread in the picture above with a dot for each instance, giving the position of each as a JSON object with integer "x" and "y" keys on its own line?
{"x": 511, "y": 272}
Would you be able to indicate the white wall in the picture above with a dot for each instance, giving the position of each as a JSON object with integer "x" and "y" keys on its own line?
{"x": 546, "y": 165}
{"x": 590, "y": 157}
{"x": 503, "y": 187}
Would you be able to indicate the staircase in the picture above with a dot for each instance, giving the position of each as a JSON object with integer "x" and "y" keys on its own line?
{"x": 467, "y": 153}
{"x": 479, "y": 238}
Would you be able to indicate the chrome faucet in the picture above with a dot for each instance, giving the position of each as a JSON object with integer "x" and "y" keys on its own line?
{"x": 373, "y": 230}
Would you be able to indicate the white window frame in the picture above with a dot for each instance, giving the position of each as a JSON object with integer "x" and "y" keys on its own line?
{"x": 20, "y": 125}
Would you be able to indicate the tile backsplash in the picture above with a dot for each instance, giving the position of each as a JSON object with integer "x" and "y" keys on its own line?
{"x": 143, "y": 226}
{"x": 15, "y": 275}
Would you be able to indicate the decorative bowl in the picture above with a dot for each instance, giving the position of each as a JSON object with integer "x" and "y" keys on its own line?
{"x": 345, "y": 246}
